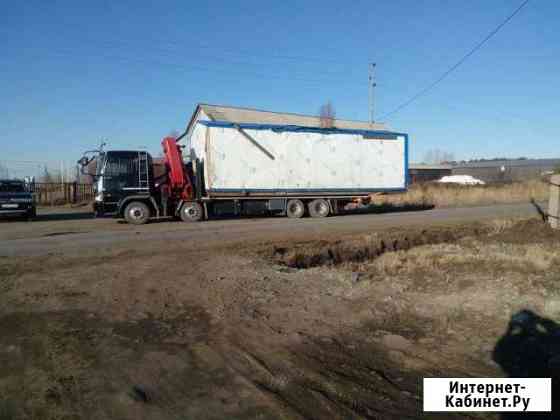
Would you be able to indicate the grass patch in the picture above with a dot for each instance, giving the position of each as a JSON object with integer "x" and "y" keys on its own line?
{"x": 446, "y": 195}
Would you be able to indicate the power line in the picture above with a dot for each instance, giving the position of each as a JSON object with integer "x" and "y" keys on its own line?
{"x": 457, "y": 64}
{"x": 162, "y": 61}
{"x": 30, "y": 162}
{"x": 243, "y": 53}
{"x": 332, "y": 59}
{"x": 121, "y": 48}
{"x": 158, "y": 46}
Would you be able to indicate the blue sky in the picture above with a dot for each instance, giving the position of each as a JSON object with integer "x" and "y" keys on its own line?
{"x": 73, "y": 72}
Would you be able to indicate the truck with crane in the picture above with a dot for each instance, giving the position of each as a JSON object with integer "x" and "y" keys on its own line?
{"x": 240, "y": 167}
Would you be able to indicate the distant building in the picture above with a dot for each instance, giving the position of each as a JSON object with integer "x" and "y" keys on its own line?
{"x": 421, "y": 172}
{"x": 490, "y": 171}
{"x": 507, "y": 170}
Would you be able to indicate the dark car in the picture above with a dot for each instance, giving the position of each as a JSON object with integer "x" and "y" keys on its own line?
{"x": 16, "y": 199}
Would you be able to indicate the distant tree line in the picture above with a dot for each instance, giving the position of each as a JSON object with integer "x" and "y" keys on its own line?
{"x": 437, "y": 156}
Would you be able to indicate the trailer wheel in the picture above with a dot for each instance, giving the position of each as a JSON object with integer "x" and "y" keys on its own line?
{"x": 192, "y": 212}
{"x": 295, "y": 209}
{"x": 137, "y": 213}
{"x": 319, "y": 208}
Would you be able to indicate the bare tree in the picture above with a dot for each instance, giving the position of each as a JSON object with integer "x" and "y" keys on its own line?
{"x": 50, "y": 176}
{"x": 437, "y": 156}
{"x": 327, "y": 115}
{"x": 4, "y": 172}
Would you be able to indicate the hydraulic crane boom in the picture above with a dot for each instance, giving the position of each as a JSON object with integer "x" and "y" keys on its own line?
{"x": 180, "y": 185}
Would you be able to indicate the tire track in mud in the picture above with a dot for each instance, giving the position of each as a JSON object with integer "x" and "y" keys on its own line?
{"x": 74, "y": 364}
{"x": 332, "y": 377}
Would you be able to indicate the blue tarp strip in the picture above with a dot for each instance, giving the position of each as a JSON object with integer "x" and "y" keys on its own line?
{"x": 349, "y": 191}
{"x": 377, "y": 134}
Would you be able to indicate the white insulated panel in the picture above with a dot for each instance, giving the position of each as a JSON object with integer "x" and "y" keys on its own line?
{"x": 286, "y": 160}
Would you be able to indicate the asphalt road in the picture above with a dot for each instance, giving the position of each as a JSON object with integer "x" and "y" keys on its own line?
{"x": 71, "y": 231}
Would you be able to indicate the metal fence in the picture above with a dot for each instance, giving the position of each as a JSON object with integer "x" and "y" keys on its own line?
{"x": 58, "y": 193}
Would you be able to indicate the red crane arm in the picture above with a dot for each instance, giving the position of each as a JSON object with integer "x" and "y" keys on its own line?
{"x": 180, "y": 184}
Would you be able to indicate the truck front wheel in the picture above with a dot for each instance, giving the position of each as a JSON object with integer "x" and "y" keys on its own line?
{"x": 192, "y": 212}
{"x": 137, "y": 213}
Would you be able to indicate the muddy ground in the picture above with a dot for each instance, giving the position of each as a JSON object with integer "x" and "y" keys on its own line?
{"x": 333, "y": 328}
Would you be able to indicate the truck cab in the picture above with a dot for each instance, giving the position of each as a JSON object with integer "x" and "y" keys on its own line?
{"x": 130, "y": 185}
{"x": 121, "y": 174}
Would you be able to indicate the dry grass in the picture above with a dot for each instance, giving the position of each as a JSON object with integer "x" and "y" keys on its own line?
{"x": 444, "y": 258}
{"x": 441, "y": 195}
{"x": 497, "y": 226}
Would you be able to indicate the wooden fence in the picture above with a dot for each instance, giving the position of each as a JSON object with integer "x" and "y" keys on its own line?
{"x": 57, "y": 193}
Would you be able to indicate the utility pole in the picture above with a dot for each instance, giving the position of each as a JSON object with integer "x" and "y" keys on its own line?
{"x": 371, "y": 86}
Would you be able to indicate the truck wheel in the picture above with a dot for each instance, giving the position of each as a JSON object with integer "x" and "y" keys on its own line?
{"x": 295, "y": 209}
{"x": 137, "y": 213}
{"x": 192, "y": 212}
{"x": 319, "y": 208}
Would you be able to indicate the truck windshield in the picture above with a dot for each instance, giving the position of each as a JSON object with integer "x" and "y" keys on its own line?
{"x": 11, "y": 186}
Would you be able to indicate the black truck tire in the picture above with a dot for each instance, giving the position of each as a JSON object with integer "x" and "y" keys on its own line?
{"x": 137, "y": 213}
{"x": 295, "y": 209}
{"x": 319, "y": 208}
{"x": 192, "y": 212}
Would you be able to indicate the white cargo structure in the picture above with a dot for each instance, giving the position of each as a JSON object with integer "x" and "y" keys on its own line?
{"x": 249, "y": 153}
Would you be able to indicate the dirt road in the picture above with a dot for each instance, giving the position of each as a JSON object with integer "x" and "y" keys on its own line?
{"x": 70, "y": 231}
{"x": 270, "y": 318}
